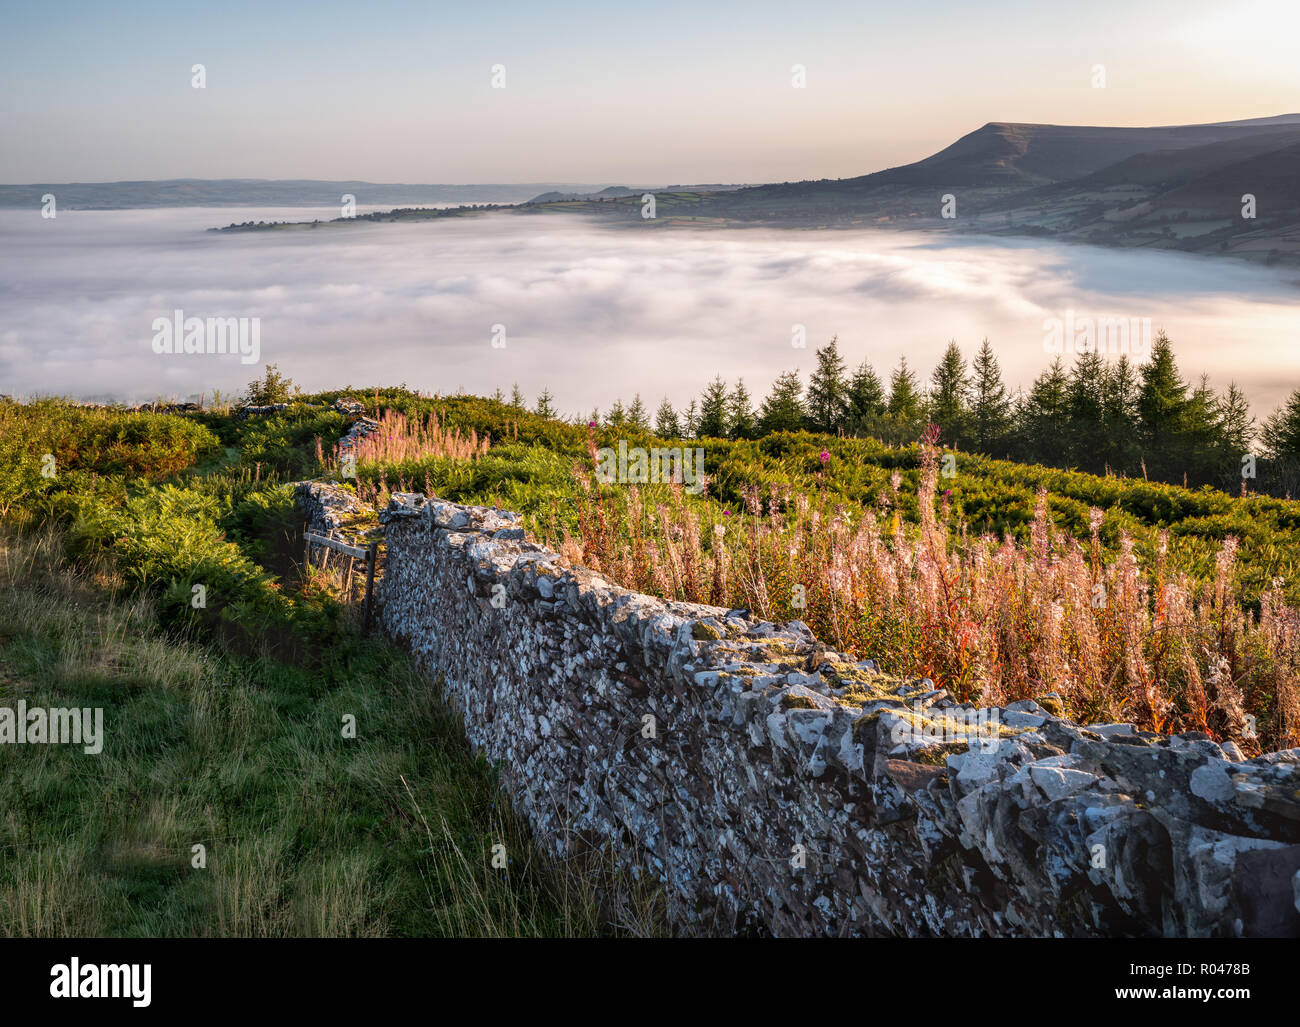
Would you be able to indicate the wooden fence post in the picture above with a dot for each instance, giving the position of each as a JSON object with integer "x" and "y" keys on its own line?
{"x": 371, "y": 555}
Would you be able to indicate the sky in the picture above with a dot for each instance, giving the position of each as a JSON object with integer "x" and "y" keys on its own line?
{"x": 656, "y": 94}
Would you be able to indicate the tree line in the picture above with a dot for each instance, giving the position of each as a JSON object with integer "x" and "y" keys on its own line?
{"x": 1096, "y": 415}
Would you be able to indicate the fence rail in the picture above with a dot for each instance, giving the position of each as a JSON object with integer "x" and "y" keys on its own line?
{"x": 369, "y": 554}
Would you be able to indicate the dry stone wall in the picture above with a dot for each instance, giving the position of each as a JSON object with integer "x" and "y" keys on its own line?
{"x": 776, "y": 786}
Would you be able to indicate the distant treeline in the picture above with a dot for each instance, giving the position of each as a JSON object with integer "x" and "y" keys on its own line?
{"x": 1096, "y": 416}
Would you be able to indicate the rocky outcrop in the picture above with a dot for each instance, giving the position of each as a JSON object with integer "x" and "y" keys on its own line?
{"x": 260, "y": 411}
{"x": 776, "y": 786}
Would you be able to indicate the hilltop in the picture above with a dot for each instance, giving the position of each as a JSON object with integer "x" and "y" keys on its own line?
{"x": 1178, "y": 187}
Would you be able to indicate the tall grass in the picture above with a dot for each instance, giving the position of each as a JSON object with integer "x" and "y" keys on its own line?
{"x": 305, "y": 832}
{"x": 401, "y": 439}
{"x": 990, "y": 619}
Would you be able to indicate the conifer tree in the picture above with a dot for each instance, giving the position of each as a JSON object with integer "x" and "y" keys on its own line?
{"x": 905, "y": 408}
{"x": 742, "y": 422}
{"x": 866, "y": 402}
{"x": 1162, "y": 406}
{"x": 990, "y": 417}
{"x": 827, "y": 399}
{"x": 712, "y": 421}
{"x": 667, "y": 425}
{"x": 545, "y": 404}
{"x": 782, "y": 409}
{"x": 691, "y": 421}
{"x": 1084, "y": 412}
{"x": 949, "y": 388}
{"x": 1236, "y": 426}
{"x": 1045, "y": 415}
{"x": 1119, "y": 418}
{"x": 1280, "y": 432}
{"x": 637, "y": 417}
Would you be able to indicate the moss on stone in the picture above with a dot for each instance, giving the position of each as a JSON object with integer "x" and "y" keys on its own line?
{"x": 937, "y": 755}
{"x": 702, "y": 632}
{"x": 797, "y": 702}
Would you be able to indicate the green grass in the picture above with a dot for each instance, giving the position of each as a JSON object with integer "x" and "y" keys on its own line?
{"x": 224, "y": 726}
{"x": 306, "y": 832}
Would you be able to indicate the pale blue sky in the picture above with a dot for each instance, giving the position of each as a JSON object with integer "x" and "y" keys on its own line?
{"x": 601, "y": 92}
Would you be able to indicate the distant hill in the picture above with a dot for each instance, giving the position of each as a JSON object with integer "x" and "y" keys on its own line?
{"x": 1174, "y": 187}
{"x": 1008, "y": 154}
{"x": 260, "y": 192}
{"x": 621, "y": 191}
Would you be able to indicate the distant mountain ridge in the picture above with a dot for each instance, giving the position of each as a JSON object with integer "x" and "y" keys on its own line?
{"x": 1003, "y": 153}
{"x": 1180, "y": 187}
{"x": 256, "y": 192}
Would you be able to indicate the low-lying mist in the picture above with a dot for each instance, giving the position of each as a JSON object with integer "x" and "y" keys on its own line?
{"x": 590, "y": 311}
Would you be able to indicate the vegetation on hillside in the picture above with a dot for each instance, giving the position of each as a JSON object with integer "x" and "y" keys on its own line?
{"x": 1099, "y": 416}
{"x": 1121, "y": 599}
{"x": 1130, "y": 600}
{"x": 150, "y": 566}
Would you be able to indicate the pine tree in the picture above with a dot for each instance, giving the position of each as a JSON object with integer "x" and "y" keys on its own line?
{"x": 1280, "y": 432}
{"x": 1045, "y": 416}
{"x": 498, "y": 395}
{"x": 617, "y": 416}
{"x": 667, "y": 425}
{"x": 1119, "y": 418}
{"x": 691, "y": 421}
{"x": 905, "y": 409}
{"x": 742, "y": 422}
{"x": 1084, "y": 412}
{"x": 1236, "y": 426}
{"x": 713, "y": 411}
{"x": 517, "y": 398}
{"x": 866, "y": 402}
{"x": 637, "y": 417}
{"x": 827, "y": 399}
{"x": 949, "y": 389}
{"x": 990, "y": 415}
{"x": 1162, "y": 409}
{"x": 782, "y": 410}
{"x": 1200, "y": 442}
{"x": 545, "y": 404}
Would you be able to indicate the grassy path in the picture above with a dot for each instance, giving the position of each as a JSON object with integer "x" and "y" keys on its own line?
{"x": 305, "y": 831}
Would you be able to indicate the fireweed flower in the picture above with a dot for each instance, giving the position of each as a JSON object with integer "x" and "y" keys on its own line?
{"x": 824, "y": 457}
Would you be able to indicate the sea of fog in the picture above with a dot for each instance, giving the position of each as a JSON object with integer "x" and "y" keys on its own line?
{"x": 590, "y": 311}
